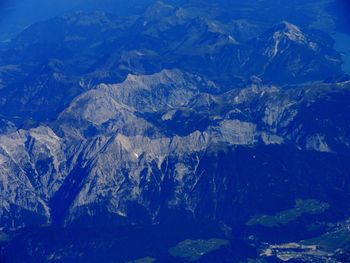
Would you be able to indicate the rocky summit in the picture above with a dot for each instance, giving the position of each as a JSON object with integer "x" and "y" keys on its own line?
{"x": 175, "y": 131}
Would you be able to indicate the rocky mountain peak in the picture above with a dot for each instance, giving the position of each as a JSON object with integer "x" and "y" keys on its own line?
{"x": 158, "y": 10}
{"x": 281, "y": 36}
{"x": 291, "y": 31}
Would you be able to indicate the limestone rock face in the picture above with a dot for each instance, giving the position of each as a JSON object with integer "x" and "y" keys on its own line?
{"x": 116, "y": 153}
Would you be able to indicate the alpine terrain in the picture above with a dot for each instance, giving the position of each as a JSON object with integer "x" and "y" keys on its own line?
{"x": 174, "y": 131}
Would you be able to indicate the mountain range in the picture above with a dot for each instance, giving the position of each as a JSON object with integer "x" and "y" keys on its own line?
{"x": 182, "y": 113}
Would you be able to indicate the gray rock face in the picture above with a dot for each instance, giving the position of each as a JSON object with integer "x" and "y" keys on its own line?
{"x": 286, "y": 53}
{"x": 32, "y": 170}
{"x": 107, "y": 156}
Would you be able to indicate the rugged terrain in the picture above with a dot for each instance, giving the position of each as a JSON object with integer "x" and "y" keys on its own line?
{"x": 178, "y": 115}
